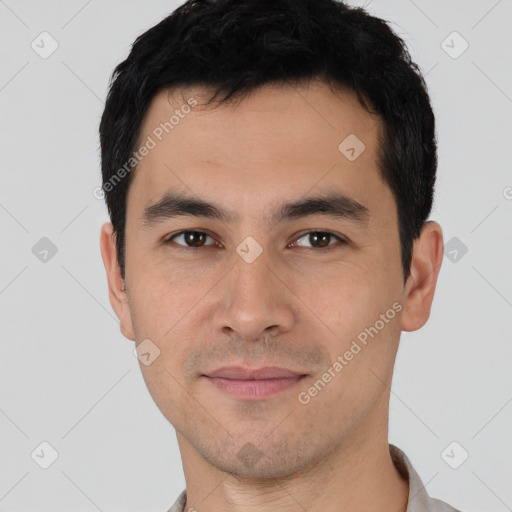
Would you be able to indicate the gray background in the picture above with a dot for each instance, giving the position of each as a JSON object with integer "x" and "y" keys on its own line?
{"x": 69, "y": 378}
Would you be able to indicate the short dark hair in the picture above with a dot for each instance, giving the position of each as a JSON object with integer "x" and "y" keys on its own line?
{"x": 236, "y": 46}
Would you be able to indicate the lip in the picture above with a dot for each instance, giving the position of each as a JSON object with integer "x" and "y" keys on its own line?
{"x": 241, "y": 373}
{"x": 257, "y": 383}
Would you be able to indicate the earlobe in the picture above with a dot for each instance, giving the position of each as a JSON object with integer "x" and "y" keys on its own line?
{"x": 117, "y": 294}
{"x": 420, "y": 286}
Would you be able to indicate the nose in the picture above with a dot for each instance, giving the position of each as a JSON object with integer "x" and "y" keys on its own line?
{"x": 255, "y": 301}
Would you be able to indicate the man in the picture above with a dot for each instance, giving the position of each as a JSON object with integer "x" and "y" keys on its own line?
{"x": 269, "y": 169}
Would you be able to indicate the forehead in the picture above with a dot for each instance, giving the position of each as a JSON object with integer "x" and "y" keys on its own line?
{"x": 278, "y": 140}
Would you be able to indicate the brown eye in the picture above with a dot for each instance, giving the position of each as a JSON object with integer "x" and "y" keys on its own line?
{"x": 318, "y": 239}
{"x": 191, "y": 239}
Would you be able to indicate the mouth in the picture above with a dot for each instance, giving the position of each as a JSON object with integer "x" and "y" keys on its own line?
{"x": 253, "y": 383}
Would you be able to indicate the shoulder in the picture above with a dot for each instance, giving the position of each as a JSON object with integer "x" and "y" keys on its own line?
{"x": 441, "y": 506}
{"x": 179, "y": 504}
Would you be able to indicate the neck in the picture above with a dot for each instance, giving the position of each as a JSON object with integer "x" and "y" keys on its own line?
{"x": 357, "y": 475}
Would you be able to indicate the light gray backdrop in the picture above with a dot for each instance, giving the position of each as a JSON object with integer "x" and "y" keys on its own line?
{"x": 69, "y": 378}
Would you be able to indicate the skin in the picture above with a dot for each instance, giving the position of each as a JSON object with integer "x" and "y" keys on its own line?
{"x": 297, "y": 306}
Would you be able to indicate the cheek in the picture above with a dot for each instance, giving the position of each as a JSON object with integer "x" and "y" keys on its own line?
{"x": 162, "y": 296}
{"x": 165, "y": 306}
{"x": 348, "y": 305}
{"x": 339, "y": 299}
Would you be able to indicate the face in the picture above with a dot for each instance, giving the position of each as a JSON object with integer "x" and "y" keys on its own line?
{"x": 294, "y": 263}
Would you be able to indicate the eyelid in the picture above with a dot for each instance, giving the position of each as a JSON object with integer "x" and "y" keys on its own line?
{"x": 341, "y": 239}
{"x": 169, "y": 239}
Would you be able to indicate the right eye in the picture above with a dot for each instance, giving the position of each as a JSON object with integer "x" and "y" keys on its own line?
{"x": 190, "y": 239}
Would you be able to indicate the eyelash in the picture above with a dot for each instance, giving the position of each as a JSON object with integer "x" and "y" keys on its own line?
{"x": 340, "y": 239}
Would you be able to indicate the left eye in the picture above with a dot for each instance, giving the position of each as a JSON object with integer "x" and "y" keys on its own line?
{"x": 319, "y": 239}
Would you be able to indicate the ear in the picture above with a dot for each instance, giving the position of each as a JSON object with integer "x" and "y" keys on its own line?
{"x": 421, "y": 283}
{"x": 116, "y": 289}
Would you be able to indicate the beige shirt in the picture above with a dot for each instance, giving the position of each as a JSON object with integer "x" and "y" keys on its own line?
{"x": 419, "y": 500}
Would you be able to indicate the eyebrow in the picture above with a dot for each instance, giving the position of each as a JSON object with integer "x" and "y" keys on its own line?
{"x": 333, "y": 204}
